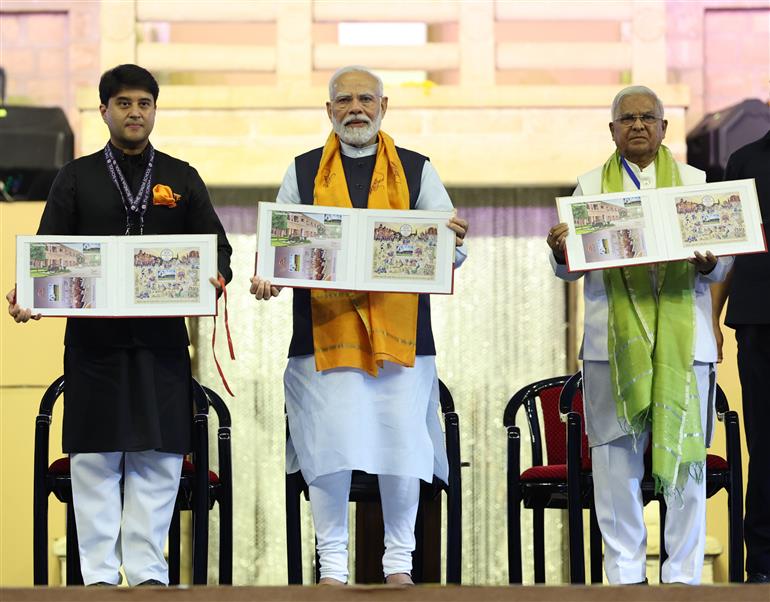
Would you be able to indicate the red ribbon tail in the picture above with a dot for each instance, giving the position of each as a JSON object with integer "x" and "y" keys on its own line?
{"x": 229, "y": 341}
{"x": 227, "y": 320}
{"x": 216, "y": 361}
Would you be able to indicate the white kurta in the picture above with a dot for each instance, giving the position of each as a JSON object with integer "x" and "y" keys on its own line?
{"x": 344, "y": 419}
{"x": 602, "y": 424}
{"x": 618, "y": 459}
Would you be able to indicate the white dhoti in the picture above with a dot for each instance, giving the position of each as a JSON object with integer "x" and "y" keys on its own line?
{"x": 618, "y": 468}
{"x": 343, "y": 420}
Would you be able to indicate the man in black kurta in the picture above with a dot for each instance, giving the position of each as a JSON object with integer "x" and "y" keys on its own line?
{"x": 127, "y": 396}
{"x": 748, "y": 286}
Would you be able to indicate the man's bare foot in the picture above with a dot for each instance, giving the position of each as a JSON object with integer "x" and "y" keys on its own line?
{"x": 399, "y": 579}
{"x": 330, "y": 581}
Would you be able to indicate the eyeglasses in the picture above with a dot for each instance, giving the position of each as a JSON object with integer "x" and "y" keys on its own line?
{"x": 628, "y": 119}
{"x": 367, "y": 101}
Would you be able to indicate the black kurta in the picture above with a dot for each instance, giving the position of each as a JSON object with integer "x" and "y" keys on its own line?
{"x": 127, "y": 380}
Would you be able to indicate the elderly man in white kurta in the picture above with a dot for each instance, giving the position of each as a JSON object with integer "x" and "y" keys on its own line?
{"x": 356, "y": 400}
{"x": 641, "y": 347}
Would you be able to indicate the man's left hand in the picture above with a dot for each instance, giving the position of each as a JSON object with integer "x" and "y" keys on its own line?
{"x": 703, "y": 263}
{"x": 217, "y": 284}
{"x": 459, "y": 227}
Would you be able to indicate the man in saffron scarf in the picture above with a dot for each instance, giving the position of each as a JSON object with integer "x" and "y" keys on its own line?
{"x": 361, "y": 385}
{"x": 648, "y": 363}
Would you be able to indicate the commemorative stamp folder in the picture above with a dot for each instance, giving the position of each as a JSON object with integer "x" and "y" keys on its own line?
{"x": 313, "y": 246}
{"x": 117, "y": 276}
{"x": 665, "y": 224}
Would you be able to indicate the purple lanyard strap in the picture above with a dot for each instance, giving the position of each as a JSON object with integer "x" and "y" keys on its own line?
{"x": 133, "y": 204}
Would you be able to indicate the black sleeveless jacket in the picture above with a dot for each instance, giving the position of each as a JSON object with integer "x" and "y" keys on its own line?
{"x": 358, "y": 174}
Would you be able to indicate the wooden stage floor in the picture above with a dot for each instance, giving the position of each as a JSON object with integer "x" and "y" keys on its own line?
{"x": 671, "y": 593}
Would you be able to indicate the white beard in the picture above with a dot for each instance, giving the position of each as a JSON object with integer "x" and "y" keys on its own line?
{"x": 357, "y": 136}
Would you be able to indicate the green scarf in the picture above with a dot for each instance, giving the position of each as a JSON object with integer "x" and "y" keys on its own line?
{"x": 651, "y": 343}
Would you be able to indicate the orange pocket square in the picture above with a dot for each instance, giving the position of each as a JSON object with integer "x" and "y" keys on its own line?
{"x": 163, "y": 195}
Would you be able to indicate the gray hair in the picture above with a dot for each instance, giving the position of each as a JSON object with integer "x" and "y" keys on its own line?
{"x": 632, "y": 91}
{"x": 354, "y": 69}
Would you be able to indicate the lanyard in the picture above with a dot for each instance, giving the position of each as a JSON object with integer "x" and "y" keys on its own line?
{"x": 657, "y": 271}
{"x": 630, "y": 173}
{"x": 133, "y": 204}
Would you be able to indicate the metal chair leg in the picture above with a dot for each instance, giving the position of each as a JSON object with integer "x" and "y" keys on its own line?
{"x": 538, "y": 543}
{"x": 735, "y": 497}
{"x": 174, "y": 545}
{"x": 577, "y": 570}
{"x": 596, "y": 547}
{"x": 40, "y": 532}
{"x": 293, "y": 530}
{"x": 74, "y": 575}
{"x": 514, "y": 508}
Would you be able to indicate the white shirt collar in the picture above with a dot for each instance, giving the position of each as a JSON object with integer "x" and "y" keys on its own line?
{"x": 355, "y": 151}
{"x": 646, "y": 176}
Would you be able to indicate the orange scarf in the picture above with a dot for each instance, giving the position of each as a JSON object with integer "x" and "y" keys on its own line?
{"x": 359, "y": 329}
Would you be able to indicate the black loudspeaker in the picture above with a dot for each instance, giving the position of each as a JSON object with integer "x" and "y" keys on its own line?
{"x": 719, "y": 134}
{"x": 35, "y": 142}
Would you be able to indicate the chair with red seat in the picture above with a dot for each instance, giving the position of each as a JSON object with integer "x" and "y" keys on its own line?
{"x": 721, "y": 473}
{"x": 544, "y": 485}
{"x": 56, "y": 479}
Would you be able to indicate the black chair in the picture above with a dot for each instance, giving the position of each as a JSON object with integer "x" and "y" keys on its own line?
{"x": 56, "y": 479}
{"x": 542, "y": 485}
{"x": 364, "y": 488}
{"x": 220, "y": 490}
{"x": 721, "y": 474}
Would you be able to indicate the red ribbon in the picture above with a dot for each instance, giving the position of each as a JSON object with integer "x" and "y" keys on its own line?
{"x": 229, "y": 338}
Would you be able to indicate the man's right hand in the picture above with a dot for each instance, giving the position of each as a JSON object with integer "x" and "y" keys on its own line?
{"x": 17, "y": 312}
{"x": 557, "y": 240}
{"x": 262, "y": 289}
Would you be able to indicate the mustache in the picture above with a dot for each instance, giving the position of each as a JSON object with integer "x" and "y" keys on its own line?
{"x": 352, "y": 118}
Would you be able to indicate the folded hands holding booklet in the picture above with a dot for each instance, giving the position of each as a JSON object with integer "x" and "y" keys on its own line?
{"x": 665, "y": 224}
{"x": 314, "y": 246}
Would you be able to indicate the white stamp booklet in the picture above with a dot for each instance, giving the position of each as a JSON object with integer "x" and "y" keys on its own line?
{"x": 313, "y": 246}
{"x": 665, "y": 224}
{"x": 117, "y": 276}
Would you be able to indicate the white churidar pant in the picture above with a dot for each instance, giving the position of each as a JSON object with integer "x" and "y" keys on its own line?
{"x": 618, "y": 468}
{"x": 400, "y": 498}
{"x": 131, "y": 532}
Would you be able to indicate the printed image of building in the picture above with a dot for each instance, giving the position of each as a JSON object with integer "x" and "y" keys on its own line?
{"x": 599, "y": 212}
{"x": 58, "y": 257}
{"x": 299, "y": 225}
